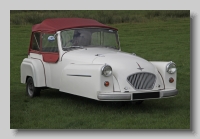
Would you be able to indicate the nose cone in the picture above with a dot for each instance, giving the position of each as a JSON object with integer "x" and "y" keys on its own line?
{"x": 124, "y": 65}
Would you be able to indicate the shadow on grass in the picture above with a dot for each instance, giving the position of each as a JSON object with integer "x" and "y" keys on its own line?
{"x": 162, "y": 105}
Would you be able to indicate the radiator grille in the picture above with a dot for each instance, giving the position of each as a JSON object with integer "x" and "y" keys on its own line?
{"x": 142, "y": 80}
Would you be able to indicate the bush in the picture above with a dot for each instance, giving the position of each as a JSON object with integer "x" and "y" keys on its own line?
{"x": 168, "y": 13}
{"x": 104, "y": 16}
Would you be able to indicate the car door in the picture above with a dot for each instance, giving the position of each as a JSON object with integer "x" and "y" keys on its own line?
{"x": 44, "y": 47}
{"x": 50, "y": 55}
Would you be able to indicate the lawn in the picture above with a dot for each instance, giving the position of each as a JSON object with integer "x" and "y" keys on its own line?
{"x": 154, "y": 40}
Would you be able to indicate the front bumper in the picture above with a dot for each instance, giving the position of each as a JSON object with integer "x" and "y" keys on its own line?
{"x": 131, "y": 96}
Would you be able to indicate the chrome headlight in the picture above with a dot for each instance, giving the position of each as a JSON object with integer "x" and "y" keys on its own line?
{"x": 171, "y": 68}
{"x": 106, "y": 70}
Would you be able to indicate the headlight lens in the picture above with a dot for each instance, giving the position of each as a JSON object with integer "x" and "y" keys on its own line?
{"x": 171, "y": 68}
{"x": 106, "y": 70}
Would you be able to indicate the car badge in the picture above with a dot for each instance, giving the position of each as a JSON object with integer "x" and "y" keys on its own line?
{"x": 139, "y": 67}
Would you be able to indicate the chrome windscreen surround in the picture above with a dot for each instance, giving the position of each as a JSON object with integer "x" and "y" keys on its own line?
{"x": 142, "y": 80}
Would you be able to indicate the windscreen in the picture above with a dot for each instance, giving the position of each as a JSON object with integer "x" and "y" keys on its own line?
{"x": 89, "y": 37}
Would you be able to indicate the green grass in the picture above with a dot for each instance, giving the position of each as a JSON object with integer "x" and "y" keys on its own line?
{"x": 154, "y": 40}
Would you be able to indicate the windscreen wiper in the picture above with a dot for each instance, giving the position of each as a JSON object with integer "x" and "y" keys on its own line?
{"x": 76, "y": 47}
{"x": 81, "y": 47}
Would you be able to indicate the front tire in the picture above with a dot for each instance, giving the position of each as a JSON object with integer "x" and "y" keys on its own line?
{"x": 31, "y": 90}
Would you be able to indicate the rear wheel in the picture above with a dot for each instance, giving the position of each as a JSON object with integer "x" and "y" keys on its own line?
{"x": 31, "y": 90}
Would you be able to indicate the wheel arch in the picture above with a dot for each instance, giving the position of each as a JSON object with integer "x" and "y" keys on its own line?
{"x": 27, "y": 78}
{"x": 33, "y": 68}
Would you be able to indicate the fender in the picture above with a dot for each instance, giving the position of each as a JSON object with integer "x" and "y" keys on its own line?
{"x": 84, "y": 80}
{"x": 35, "y": 69}
{"x": 161, "y": 66}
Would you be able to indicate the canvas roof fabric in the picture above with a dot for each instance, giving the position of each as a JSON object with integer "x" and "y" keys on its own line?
{"x": 56, "y": 24}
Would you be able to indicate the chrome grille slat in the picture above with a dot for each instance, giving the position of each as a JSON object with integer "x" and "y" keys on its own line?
{"x": 145, "y": 81}
{"x": 131, "y": 78}
{"x": 134, "y": 78}
{"x": 139, "y": 81}
{"x": 135, "y": 83}
{"x": 142, "y": 80}
{"x": 148, "y": 80}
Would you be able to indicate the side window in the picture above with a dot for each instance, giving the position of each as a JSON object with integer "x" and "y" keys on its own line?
{"x": 36, "y": 41}
{"x": 49, "y": 43}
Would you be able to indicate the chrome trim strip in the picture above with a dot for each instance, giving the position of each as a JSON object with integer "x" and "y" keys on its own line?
{"x": 169, "y": 93}
{"x": 79, "y": 75}
{"x": 128, "y": 96}
{"x": 114, "y": 96}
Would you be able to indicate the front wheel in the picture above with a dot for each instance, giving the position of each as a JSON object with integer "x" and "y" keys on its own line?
{"x": 31, "y": 90}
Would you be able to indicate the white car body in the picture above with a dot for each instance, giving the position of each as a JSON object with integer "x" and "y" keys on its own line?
{"x": 79, "y": 72}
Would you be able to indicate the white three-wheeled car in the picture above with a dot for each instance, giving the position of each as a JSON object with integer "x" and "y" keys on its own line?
{"x": 83, "y": 57}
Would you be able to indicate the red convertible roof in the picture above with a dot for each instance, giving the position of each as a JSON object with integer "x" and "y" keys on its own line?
{"x": 56, "y": 24}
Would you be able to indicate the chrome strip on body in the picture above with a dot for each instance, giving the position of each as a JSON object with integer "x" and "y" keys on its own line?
{"x": 169, "y": 93}
{"x": 114, "y": 96}
{"x": 79, "y": 75}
